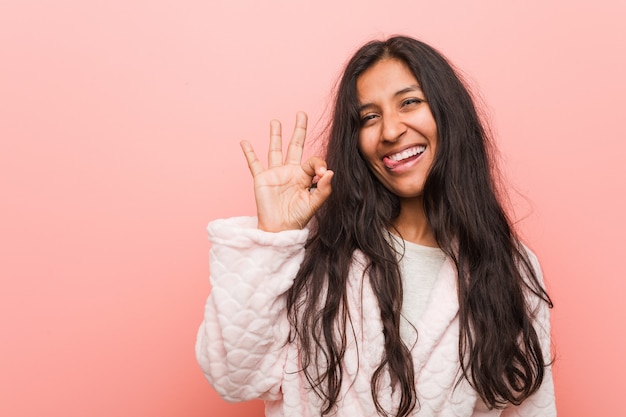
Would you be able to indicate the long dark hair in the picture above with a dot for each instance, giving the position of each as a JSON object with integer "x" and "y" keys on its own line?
{"x": 500, "y": 352}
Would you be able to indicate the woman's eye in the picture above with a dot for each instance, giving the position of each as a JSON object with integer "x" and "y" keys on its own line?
{"x": 367, "y": 118}
{"x": 412, "y": 101}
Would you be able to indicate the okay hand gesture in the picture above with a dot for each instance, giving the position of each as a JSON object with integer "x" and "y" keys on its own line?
{"x": 283, "y": 193}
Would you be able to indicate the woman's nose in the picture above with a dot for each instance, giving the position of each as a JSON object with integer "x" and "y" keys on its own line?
{"x": 393, "y": 127}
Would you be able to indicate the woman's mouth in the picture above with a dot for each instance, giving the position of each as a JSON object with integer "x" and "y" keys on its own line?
{"x": 393, "y": 160}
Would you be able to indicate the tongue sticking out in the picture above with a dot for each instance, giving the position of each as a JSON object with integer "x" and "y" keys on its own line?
{"x": 391, "y": 164}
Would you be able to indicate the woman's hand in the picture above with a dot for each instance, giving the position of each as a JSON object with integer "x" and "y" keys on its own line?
{"x": 284, "y": 198}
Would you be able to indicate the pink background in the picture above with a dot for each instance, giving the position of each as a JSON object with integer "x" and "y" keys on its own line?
{"x": 119, "y": 130}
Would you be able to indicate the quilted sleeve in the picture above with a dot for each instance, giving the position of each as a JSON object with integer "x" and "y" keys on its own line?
{"x": 542, "y": 402}
{"x": 242, "y": 342}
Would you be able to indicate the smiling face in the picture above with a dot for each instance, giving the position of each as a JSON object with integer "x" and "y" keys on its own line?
{"x": 398, "y": 134}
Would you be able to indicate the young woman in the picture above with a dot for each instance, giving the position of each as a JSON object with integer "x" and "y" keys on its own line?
{"x": 386, "y": 279}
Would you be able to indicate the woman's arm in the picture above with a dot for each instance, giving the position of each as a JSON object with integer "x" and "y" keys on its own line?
{"x": 242, "y": 342}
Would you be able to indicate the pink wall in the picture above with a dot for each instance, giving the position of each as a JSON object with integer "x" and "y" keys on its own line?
{"x": 119, "y": 130}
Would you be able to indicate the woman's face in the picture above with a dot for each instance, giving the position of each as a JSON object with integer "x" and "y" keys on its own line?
{"x": 398, "y": 134}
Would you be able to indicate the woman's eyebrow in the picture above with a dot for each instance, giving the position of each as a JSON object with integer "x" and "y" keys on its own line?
{"x": 408, "y": 89}
{"x": 365, "y": 106}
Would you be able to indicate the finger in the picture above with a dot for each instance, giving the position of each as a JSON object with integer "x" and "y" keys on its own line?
{"x": 314, "y": 166}
{"x": 323, "y": 190}
{"x": 296, "y": 145}
{"x": 254, "y": 164}
{"x": 275, "y": 153}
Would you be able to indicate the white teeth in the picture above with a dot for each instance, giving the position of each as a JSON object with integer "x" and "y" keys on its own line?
{"x": 407, "y": 153}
